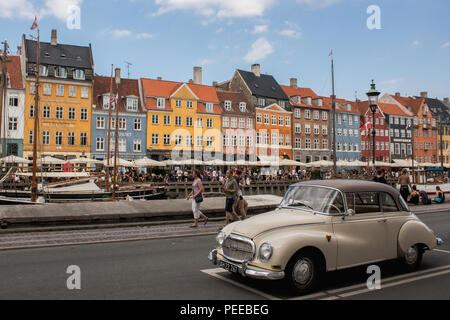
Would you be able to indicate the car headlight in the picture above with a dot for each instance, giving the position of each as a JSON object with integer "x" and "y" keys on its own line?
{"x": 265, "y": 252}
{"x": 220, "y": 238}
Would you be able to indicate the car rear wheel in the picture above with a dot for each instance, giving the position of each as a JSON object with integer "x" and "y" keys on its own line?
{"x": 413, "y": 258}
{"x": 302, "y": 273}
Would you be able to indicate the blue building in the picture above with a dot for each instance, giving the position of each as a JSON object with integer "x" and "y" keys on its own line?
{"x": 132, "y": 119}
{"x": 348, "y": 140}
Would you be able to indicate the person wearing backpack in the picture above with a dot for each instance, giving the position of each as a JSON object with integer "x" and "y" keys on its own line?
{"x": 197, "y": 198}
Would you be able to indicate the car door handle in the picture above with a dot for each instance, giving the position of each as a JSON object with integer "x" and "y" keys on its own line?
{"x": 382, "y": 220}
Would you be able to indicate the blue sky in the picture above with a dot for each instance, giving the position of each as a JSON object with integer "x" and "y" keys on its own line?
{"x": 289, "y": 38}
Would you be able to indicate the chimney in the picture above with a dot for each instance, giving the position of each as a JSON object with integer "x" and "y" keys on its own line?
{"x": 191, "y": 81}
{"x": 215, "y": 83}
{"x": 54, "y": 40}
{"x": 424, "y": 94}
{"x": 198, "y": 75}
{"x": 397, "y": 94}
{"x": 294, "y": 83}
{"x": 256, "y": 69}
{"x": 159, "y": 78}
{"x": 117, "y": 76}
{"x": 446, "y": 100}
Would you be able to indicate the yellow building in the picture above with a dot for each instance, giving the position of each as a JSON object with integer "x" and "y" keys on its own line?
{"x": 66, "y": 81}
{"x": 183, "y": 120}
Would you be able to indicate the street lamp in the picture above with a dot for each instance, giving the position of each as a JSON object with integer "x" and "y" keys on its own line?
{"x": 373, "y": 94}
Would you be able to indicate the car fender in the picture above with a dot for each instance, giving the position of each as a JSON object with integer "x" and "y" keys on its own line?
{"x": 413, "y": 232}
{"x": 291, "y": 240}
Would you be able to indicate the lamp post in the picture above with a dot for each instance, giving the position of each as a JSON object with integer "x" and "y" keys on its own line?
{"x": 373, "y": 94}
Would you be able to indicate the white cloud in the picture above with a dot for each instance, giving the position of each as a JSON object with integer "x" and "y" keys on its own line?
{"x": 291, "y": 33}
{"x": 446, "y": 45}
{"x": 17, "y": 8}
{"x": 415, "y": 43}
{"x": 318, "y": 3}
{"x": 60, "y": 8}
{"x": 259, "y": 50}
{"x": 219, "y": 30}
{"x": 260, "y": 28}
{"x": 144, "y": 35}
{"x": 26, "y": 8}
{"x": 217, "y": 8}
{"x": 120, "y": 33}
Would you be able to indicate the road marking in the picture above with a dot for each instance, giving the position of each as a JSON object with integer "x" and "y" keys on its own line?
{"x": 310, "y": 296}
{"x": 439, "y": 250}
{"x": 215, "y": 273}
{"x": 392, "y": 284}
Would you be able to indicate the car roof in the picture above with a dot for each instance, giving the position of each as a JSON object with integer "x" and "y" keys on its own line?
{"x": 351, "y": 185}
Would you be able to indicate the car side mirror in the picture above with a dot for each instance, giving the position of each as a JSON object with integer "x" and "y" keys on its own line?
{"x": 350, "y": 212}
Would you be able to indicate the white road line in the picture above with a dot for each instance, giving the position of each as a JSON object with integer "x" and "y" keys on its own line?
{"x": 349, "y": 294}
{"x": 310, "y": 296}
{"x": 215, "y": 273}
{"x": 439, "y": 250}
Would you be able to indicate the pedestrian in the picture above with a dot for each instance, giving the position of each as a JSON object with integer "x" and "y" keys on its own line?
{"x": 197, "y": 198}
{"x": 240, "y": 206}
{"x": 230, "y": 189}
{"x": 440, "y": 197}
{"x": 380, "y": 177}
{"x": 405, "y": 184}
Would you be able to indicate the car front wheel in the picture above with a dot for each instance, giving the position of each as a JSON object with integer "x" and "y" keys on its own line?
{"x": 302, "y": 273}
{"x": 413, "y": 258}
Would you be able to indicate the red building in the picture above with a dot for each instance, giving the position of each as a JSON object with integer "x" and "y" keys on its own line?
{"x": 382, "y": 137}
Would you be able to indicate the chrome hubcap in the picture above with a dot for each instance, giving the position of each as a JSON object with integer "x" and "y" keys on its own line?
{"x": 302, "y": 271}
{"x": 411, "y": 255}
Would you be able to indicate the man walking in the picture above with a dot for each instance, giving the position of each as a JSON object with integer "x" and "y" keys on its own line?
{"x": 230, "y": 189}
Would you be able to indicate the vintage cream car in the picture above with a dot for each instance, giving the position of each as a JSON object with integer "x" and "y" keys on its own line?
{"x": 323, "y": 226}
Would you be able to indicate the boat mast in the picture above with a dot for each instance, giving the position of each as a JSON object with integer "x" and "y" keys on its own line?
{"x": 3, "y": 81}
{"x": 34, "y": 190}
{"x": 109, "y": 130}
{"x": 333, "y": 105}
{"x": 116, "y": 141}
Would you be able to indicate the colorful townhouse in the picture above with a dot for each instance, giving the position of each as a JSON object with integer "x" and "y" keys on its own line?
{"x": 441, "y": 113}
{"x": 238, "y": 126}
{"x": 424, "y": 124}
{"x": 132, "y": 120}
{"x": 66, "y": 74}
{"x": 13, "y": 109}
{"x": 184, "y": 120}
{"x": 310, "y": 124}
{"x": 347, "y": 121}
{"x": 382, "y": 137}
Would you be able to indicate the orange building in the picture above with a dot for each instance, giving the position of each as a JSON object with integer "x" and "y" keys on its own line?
{"x": 273, "y": 132}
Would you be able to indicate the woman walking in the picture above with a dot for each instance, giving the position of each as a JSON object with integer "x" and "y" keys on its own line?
{"x": 197, "y": 198}
{"x": 404, "y": 183}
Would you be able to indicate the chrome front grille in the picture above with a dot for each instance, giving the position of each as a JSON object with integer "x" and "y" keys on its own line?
{"x": 238, "y": 248}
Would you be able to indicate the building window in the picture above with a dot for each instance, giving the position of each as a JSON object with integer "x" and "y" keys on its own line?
{"x": 30, "y": 137}
{"x": 241, "y": 123}
{"x": 132, "y": 104}
{"x": 178, "y": 121}
{"x": 200, "y": 123}
{"x": 13, "y": 101}
{"x": 47, "y": 89}
{"x": 243, "y": 107}
{"x": 298, "y": 143}
{"x": 166, "y": 120}
{"x": 100, "y": 123}
{"x": 78, "y": 75}
{"x": 307, "y": 114}
{"x": 72, "y": 91}
{"x": 225, "y": 122}
{"x": 209, "y": 141}
{"x": 137, "y": 145}
{"x": 122, "y": 124}
{"x": 258, "y": 118}
{"x": 178, "y": 140}
{"x": 60, "y": 72}
{"x": 234, "y": 123}
{"x": 138, "y": 124}
{"x": 209, "y": 123}
{"x": 316, "y": 115}
{"x": 325, "y": 144}
{"x": 58, "y": 138}
{"x": 227, "y": 105}
{"x": 287, "y": 121}
{"x": 71, "y": 138}
{"x": 45, "y": 137}
{"x": 155, "y": 139}
{"x": 189, "y": 141}
{"x": 166, "y": 139}
{"x": 298, "y": 128}
{"x": 123, "y": 145}
{"x": 324, "y": 115}
{"x": 84, "y": 114}
{"x": 209, "y": 107}
{"x": 72, "y": 114}
{"x": 100, "y": 144}
{"x": 307, "y": 129}
{"x": 46, "y": 112}
{"x": 280, "y": 121}
{"x": 189, "y": 104}
{"x": 274, "y": 120}
{"x": 12, "y": 124}
{"x": 84, "y": 92}
{"x": 59, "y": 112}
{"x": 249, "y": 123}
{"x": 324, "y": 130}
{"x": 161, "y": 103}
{"x": 31, "y": 113}
{"x": 199, "y": 141}
{"x": 32, "y": 88}
{"x": 308, "y": 144}
{"x": 155, "y": 119}
{"x": 189, "y": 122}
{"x": 178, "y": 103}
{"x": 297, "y": 113}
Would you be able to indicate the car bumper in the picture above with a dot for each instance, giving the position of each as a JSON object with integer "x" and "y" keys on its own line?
{"x": 439, "y": 241}
{"x": 245, "y": 271}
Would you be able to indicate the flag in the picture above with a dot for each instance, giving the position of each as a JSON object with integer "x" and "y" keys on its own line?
{"x": 365, "y": 126}
{"x": 35, "y": 24}
{"x": 331, "y": 53}
{"x": 408, "y": 124}
{"x": 113, "y": 99}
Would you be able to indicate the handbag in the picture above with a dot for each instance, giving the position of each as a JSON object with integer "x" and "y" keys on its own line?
{"x": 199, "y": 198}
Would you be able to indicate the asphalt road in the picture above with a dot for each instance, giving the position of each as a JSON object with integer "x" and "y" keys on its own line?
{"x": 177, "y": 268}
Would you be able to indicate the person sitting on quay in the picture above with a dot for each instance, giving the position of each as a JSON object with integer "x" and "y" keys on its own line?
{"x": 414, "y": 196}
{"x": 440, "y": 196}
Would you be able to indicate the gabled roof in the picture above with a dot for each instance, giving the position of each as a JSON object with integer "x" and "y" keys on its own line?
{"x": 14, "y": 72}
{"x": 235, "y": 98}
{"x": 126, "y": 88}
{"x": 412, "y": 104}
{"x": 394, "y": 110}
{"x": 274, "y": 107}
{"x": 438, "y": 108}
{"x": 302, "y": 92}
{"x": 60, "y": 55}
{"x": 263, "y": 86}
{"x": 328, "y": 104}
{"x": 205, "y": 93}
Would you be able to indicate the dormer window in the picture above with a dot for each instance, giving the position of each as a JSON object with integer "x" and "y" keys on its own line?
{"x": 160, "y": 102}
{"x": 307, "y": 100}
{"x": 318, "y": 102}
{"x": 298, "y": 99}
{"x": 209, "y": 107}
{"x": 60, "y": 72}
{"x": 227, "y": 105}
{"x": 43, "y": 71}
{"x": 243, "y": 107}
{"x": 78, "y": 75}
{"x": 132, "y": 104}
{"x": 349, "y": 107}
{"x": 106, "y": 102}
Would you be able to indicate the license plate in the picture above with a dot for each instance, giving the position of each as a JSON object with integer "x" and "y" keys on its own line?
{"x": 228, "y": 266}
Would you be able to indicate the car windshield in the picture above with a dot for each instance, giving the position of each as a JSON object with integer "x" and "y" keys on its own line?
{"x": 319, "y": 199}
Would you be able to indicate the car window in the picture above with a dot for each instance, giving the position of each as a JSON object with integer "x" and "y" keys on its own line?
{"x": 363, "y": 202}
{"x": 337, "y": 206}
{"x": 388, "y": 203}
